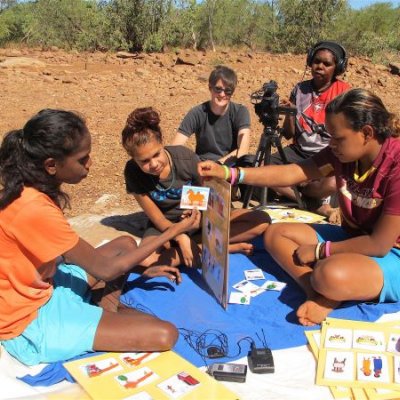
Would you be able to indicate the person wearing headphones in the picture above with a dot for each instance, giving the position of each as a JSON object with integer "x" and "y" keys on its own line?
{"x": 327, "y": 61}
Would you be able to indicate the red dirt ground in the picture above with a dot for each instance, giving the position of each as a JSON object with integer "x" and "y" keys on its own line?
{"x": 106, "y": 88}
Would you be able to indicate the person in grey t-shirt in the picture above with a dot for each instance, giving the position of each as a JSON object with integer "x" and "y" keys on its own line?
{"x": 222, "y": 127}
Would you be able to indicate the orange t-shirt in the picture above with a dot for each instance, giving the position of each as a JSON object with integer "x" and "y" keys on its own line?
{"x": 33, "y": 232}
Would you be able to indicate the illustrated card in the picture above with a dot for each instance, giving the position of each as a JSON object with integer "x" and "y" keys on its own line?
{"x": 397, "y": 369}
{"x": 394, "y": 343}
{"x": 239, "y": 298}
{"x": 369, "y": 349}
{"x": 101, "y": 367}
{"x": 292, "y": 215}
{"x": 273, "y": 285}
{"x": 138, "y": 378}
{"x": 339, "y": 365}
{"x": 369, "y": 340}
{"x": 247, "y": 287}
{"x": 195, "y": 197}
{"x": 145, "y": 376}
{"x": 338, "y": 338}
{"x": 372, "y": 368}
{"x": 179, "y": 385}
{"x": 254, "y": 274}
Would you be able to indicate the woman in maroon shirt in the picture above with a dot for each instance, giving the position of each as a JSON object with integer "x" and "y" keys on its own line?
{"x": 360, "y": 260}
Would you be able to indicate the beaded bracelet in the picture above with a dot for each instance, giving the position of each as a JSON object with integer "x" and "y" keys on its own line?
{"x": 328, "y": 248}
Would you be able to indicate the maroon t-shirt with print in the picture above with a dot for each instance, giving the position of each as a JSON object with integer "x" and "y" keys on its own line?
{"x": 362, "y": 203}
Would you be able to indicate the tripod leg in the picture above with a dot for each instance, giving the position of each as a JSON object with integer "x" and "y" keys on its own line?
{"x": 278, "y": 145}
{"x": 260, "y": 154}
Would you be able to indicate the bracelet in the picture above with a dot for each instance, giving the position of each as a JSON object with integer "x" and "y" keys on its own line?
{"x": 241, "y": 175}
{"x": 226, "y": 171}
{"x": 317, "y": 248}
{"x": 322, "y": 251}
{"x": 328, "y": 248}
{"x": 233, "y": 176}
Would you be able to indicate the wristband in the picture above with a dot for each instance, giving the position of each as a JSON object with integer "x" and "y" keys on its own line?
{"x": 317, "y": 248}
{"x": 328, "y": 248}
{"x": 322, "y": 253}
{"x": 226, "y": 171}
{"x": 241, "y": 175}
{"x": 233, "y": 176}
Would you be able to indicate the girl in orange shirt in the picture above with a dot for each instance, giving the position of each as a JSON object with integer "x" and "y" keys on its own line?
{"x": 46, "y": 314}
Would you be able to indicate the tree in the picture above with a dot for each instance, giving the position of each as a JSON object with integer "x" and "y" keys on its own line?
{"x": 303, "y": 23}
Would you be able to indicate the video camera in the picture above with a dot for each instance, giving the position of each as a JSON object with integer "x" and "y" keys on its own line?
{"x": 266, "y": 105}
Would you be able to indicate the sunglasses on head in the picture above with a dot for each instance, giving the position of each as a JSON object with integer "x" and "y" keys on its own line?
{"x": 218, "y": 89}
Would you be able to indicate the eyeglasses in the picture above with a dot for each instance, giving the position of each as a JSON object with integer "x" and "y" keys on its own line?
{"x": 219, "y": 89}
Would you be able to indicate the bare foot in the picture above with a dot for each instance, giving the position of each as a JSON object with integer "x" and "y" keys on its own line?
{"x": 244, "y": 248}
{"x": 335, "y": 216}
{"x": 314, "y": 310}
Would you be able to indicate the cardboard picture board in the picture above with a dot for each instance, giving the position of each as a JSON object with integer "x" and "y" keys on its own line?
{"x": 215, "y": 239}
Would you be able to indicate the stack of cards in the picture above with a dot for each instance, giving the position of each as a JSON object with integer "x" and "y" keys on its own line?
{"x": 144, "y": 376}
{"x": 358, "y": 360}
{"x": 247, "y": 289}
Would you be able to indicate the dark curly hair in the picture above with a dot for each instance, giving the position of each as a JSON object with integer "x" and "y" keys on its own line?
{"x": 142, "y": 126}
{"x": 49, "y": 134}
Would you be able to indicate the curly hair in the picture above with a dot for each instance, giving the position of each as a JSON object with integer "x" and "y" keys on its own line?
{"x": 142, "y": 126}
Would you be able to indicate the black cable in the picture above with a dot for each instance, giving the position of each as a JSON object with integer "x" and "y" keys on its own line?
{"x": 201, "y": 342}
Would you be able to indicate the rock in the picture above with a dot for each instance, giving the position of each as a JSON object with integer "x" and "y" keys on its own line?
{"x": 22, "y": 62}
{"x": 125, "y": 54}
{"x": 394, "y": 68}
{"x": 186, "y": 60}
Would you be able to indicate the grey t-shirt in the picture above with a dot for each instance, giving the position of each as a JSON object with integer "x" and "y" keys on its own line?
{"x": 216, "y": 135}
{"x": 165, "y": 193}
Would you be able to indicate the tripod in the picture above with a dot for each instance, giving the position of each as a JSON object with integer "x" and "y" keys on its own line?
{"x": 270, "y": 137}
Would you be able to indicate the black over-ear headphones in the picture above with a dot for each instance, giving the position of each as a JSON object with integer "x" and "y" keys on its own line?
{"x": 337, "y": 49}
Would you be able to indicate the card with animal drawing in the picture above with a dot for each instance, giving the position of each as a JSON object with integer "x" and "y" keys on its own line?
{"x": 339, "y": 365}
{"x": 195, "y": 197}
